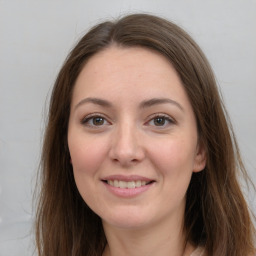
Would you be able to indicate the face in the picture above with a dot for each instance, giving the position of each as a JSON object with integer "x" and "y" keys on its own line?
{"x": 132, "y": 138}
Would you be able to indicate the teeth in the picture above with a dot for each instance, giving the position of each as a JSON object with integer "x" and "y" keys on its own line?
{"x": 131, "y": 184}
{"x": 126, "y": 184}
{"x": 122, "y": 184}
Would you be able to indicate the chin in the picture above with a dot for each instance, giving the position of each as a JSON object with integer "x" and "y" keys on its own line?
{"x": 126, "y": 224}
{"x": 126, "y": 220}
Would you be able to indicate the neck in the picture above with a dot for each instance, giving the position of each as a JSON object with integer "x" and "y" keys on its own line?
{"x": 160, "y": 239}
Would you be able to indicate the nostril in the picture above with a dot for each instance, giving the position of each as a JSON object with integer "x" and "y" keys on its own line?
{"x": 125, "y": 161}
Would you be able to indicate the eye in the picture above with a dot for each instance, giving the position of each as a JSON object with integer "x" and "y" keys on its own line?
{"x": 94, "y": 121}
{"x": 161, "y": 121}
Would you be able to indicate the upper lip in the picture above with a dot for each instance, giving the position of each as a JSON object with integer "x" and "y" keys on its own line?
{"x": 127, "y": 178}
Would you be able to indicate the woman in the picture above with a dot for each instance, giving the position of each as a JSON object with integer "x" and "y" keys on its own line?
{"x": 138, "y": 157}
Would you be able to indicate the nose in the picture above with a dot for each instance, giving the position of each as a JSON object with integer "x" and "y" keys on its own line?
{"x": 126, "y": 147}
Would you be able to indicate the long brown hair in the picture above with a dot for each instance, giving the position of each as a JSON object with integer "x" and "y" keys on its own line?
{"x": 216, "y": 213}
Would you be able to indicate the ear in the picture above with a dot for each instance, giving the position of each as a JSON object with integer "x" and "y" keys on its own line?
{"x": 200, "y": 158}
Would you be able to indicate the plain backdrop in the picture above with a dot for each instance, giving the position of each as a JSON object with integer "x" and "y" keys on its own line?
{"x": 36, "y": 36}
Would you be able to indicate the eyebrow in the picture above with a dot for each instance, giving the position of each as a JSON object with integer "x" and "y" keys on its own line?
{"x": 157, "y": 101}
{"x": 96, "y": 101}
{"x": 143, "y": 104}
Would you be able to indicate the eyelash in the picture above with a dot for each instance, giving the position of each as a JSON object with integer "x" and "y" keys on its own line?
{"x": 164, "y": 117}
{"x": 86, "y": 120}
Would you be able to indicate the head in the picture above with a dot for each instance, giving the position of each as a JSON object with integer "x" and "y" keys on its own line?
{"x": 210, "y": 192}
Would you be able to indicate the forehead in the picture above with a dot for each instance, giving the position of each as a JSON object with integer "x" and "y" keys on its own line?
{"x": 128, "y": 55}
{"x": 123, "y": 68}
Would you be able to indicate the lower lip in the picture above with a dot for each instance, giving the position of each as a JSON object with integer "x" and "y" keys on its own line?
{"x": 128, "y": 192}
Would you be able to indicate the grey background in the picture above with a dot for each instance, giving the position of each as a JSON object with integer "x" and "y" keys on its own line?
{"x": 35, "y": 37}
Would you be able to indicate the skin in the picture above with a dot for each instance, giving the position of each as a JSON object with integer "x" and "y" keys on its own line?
{"x": 157, "y": 140}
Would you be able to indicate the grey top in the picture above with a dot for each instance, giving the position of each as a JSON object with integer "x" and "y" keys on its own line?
{"x": 199, "y": 251}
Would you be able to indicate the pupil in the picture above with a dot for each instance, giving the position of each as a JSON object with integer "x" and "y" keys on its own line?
{"x": 159, "y": 121}
{"x": 98, "y": 121}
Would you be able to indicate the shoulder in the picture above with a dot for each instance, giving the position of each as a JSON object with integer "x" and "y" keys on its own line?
{"x": 199, "y": 251}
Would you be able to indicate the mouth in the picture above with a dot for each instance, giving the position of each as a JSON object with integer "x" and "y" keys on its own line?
{"x": 127, "y": 186}
{"x": 131, "y": 184}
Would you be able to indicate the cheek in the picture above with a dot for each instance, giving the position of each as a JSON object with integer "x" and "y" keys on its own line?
{"x": 87, "y": 154}
{"x": 174, "y": 160}
{"x": 174, "y": 156}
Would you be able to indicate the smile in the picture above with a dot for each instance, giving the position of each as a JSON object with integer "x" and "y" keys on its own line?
{"x": 127, "y": 184}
